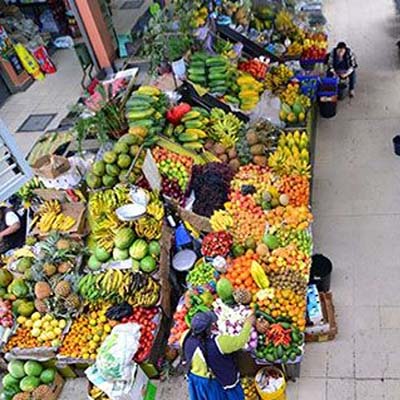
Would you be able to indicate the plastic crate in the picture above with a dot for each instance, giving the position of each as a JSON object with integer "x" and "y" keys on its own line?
{"x": 308, "y": 85}
{"x": 328, "y": 87}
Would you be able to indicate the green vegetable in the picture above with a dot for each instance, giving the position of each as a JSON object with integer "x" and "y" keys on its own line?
{"x": 29, "y": 383}
{"x": 33, "y": 368}
{"x": 48, "y": 375}
{"x": 16, "y": 369}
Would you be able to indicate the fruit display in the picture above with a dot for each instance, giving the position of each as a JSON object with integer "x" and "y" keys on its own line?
{"x": 297, "y": 188}
{"x": 298, "y": 218}
{"x": 216, "y": 244}
{"x": 249, "y": 91}
{"x": 51, "y": 218}
{"x": 137, "y": 288}
{"x": 256, "y": 143}
{"x": 146, "y": 108}
{"x": 86, "y": 334}
{"x": 315, "y": 47}
{"x": 224, "y": 127}
{"x": 146, "y": 318}
{"x": 292, "y": 155}
{"x": 302, "y": 239}
{"x": 278, "y": 77}
{"x": 209, "y": 71}
{"x": 116, "y": 164}
{"x": 27, "y": 380}
{"x": 202, "y": 275}
{"x": 255, "y": 68}
{"x": 210, "y": 184}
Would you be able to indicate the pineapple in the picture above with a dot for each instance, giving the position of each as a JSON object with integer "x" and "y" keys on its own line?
{"x": 242, "y": 296}
{"x": 49, "y": 269}
{"x": 41, "y": 306}
{"x": 72, "y": 302}
{"x": 62, "y": 289}
{"x": 40, "y": 392}
{"x": 22, "y": 396}
{"x": 63, "y": 244}
{"x": 64, "y": 267}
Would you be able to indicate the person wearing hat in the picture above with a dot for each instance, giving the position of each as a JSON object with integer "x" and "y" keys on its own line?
{"x": 213, "y": 374}
{"x": 11, "y": 234}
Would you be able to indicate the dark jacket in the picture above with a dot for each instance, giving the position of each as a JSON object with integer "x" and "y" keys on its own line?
{"x": 221, "y": 365}
{"x": 14, "y": 240}
{"x": 349, "y": 61}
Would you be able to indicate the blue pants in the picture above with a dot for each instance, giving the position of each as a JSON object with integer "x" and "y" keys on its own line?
{"x": 210, "y": 389}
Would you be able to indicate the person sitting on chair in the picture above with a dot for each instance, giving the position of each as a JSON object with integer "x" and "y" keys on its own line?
{"x": 342, "y": 63}
{"x": 11, "y": 233}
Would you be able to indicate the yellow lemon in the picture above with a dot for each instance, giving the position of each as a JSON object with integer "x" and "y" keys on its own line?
{"x": 35, "y": 332}
{"x": 37, "y": 324}
{"x": 57, "y": 331}
{"x": 47, "y": 317}
{"x": 21, "y": 319}
{"x": 29, "y": 323}
{"x": 96, "y": 338}
{"x": 46, "y": 325}
{"x": 93, "y": 322}
{"x": 93, "y": 315}
{"x": 56, "y": 342}
{"x": 51, "y": 335}
{"x": 62, "y": 323}
{"x": 107, "y": 328}
{"x": 54, "y": 323}
{"x": 35, "y": 316}
{"x": 86, "y": 356}
{"x": 103, "y": 318}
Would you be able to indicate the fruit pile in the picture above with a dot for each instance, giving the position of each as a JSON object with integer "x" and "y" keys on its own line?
{"x": 191, "y": 131}
{"x": 225, "y": 154}
{"x": 202, "y": 275}
{"x": 239, "y": 272}
{"x": 27, "y": 380}
{"x": 249, "y": 218}
{"x": 209, "y": 71}
{"x": 302, "y": 239}
{"x": 298, "y": 218}
{"x": 315, "y": 47}
{"x": 289, "y": 258}
{"x": 278, "y": 77}
{"x": 6, "y": 316}
{"x": 249, "y": 91}
{"x": 145, "y": 318}
{"x": 287, "y": 279}
{"x": 136, "y": 288}
{"x": 180, "y": 326}
{"x": 86, "y": 334}
{"x": 255, "y": 143}
{"x": 256, "y": 68}
{"x": 292, "y": 155}
{"x": 146, "y": 108}
{"x": 51, "y": 218}
{"x": 216, "y": 244}
{"x": 173, "y": 166}
{"x": 297, "y": 188}
{"x": 115, "y": 165}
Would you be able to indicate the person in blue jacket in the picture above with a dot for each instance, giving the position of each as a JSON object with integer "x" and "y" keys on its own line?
{"x": 213, "y": 373}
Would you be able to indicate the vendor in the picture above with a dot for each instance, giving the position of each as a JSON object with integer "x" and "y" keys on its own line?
{"x": 11, "y": 232}
{"x": 213, "y": 373}
{"x": 342, "y": 63}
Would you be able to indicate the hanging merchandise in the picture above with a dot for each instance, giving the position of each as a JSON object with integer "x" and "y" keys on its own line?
{"x": 28, "y": 61}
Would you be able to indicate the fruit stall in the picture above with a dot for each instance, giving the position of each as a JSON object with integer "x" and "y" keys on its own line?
{"x": 197, "y": 198}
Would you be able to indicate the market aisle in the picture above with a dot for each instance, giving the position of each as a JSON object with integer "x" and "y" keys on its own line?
{"x": 357, "y": 215}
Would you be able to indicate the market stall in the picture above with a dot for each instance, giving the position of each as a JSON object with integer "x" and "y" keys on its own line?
{"x": 196, "y": 198}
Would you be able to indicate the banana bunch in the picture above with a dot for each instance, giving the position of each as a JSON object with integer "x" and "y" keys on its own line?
{"x": 149, "y": 90}
{"x": 102, "y": 202}
{"x": 50, "y": 206}
{"x": 148, "y": 227}
{"x": 278, "y": 77}
{"x": 284, "y": 23}
{"x": 221, "y": 221}
{"x": 224, "y": 127}
{"x": 295, "y": 139}
{"x": 295, "y": 49}
{"x": 147, "y": 296}
{"x": 98, "y": 394}
{"x": 25, "y": 193}
{"x": 155, "y": 207}
{"x": 87, "y": 287}
{"x": 113, "y": 282}
{"x": 286, "y": 161}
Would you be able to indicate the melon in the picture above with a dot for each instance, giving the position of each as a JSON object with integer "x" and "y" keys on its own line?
{"x": 99, "y": 168}
{"x": 102, "y": 254}
{"x": 148, "y": 264}
{"x": 33, "y": 368}
{"x": 16, "y": 369}
{"x": 48, "y": 375}
{"x": 29, "y": 383}
{"x": 124, "y": 238}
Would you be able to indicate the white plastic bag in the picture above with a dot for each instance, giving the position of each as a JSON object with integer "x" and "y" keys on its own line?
{"x": 116, "y": 353}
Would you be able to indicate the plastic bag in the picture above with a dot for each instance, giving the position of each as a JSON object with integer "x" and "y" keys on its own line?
{"x": 117, "y": 351}
{"x": 64, "y": 42}
{"x": 267, "y": 108}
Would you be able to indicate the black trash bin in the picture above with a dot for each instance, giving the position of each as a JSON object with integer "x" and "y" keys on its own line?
{"x": 396, "y": 144}
{"x": 321, "y": 271}
{"x": 328, "y": 106}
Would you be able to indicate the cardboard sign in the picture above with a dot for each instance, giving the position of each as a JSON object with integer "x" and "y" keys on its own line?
{"x": 150, "y": 171}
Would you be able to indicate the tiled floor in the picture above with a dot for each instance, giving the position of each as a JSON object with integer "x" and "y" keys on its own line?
{"x": 55, "y": 94}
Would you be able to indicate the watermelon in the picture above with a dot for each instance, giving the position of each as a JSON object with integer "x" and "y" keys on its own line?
{"x": 139, "y": 249}
{"x": 124, "y": 238}
{"x": 29, "y": 383}
{"x": 33, "y": 368}
{"x": 48, "y": 375}
{"x": 16, "y": 369}
{"x": 9, "y": 380}
{"x": 148, "y": 264}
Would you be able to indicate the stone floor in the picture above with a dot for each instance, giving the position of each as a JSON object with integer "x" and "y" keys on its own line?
{"x": 54, "y": 95}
